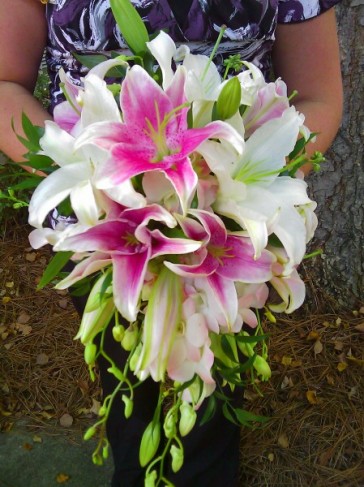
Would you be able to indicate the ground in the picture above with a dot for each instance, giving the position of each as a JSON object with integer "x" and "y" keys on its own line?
{"x": 315, "y": 436}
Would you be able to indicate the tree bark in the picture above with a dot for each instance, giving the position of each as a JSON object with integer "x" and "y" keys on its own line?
{"x": 339, "y": 187}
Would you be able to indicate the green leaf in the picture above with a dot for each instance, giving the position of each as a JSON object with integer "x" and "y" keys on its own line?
{"x": 251, "y": 339}
{"x": 245, "y": 417}
{"x": 81, "y": 287}
{"x": 54, "y": 267}
{"x": 229, "y": 99}
{"x": 33, "y": 132}
{"x": 131, "y": 25}
{"x": 39, "y": 161}
{"x": 65, "y": 207}
{"x": 106, "y": 284}
{"x": 89, "y": 60}
{"x": 231, "y": 371}
{"x": 29, "y": 183}
{"x": 227, "y": 413}
{"x": 300, "y": 145}
{"x": 227, "y": 349}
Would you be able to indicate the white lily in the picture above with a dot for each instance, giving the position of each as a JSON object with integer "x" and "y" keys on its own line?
{"x": 251, "y": 192}
{"x": 77, "y": 164}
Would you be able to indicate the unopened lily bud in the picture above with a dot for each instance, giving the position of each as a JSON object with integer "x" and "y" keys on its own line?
{"x": 90, "y": 432}
{"x": 149, "y": 443}
{"x": 105, "y": 452}
{"x": 90, "y": 353}
{"x": 188, "y": 418}
{"x": 177, "y": 458}
{"x": 262, "y": 368}
{"x": 169, "y": 424}
{"x": 97, "y": 459}
{"x": 246, "y": 348}
{"x": 134, "y": 359}
{"x": 102, "y": 411}
{"x": 118, "y": 332}
{"x": 229, "y": 99}
{"x": 128, "y": 406}
{"x": 117, "y": 373}
{"x": 150, "y": 479}
{"x": 270, "y": 316}
{"x": 129, "y": 338}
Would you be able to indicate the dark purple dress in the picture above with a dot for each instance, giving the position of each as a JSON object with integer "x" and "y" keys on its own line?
{"x": 88, "y": 26}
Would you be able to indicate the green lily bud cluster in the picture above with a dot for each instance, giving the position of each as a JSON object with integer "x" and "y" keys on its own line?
{"x": 260, "y": 363}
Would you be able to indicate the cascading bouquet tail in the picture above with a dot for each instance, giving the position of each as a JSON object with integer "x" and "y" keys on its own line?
{"x": 187, "y": 209}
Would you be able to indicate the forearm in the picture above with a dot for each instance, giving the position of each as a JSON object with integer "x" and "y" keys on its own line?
{"x": 15, "y": 100}
{"x": 321, "y": 119}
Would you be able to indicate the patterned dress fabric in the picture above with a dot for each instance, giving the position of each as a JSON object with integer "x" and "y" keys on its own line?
{"x": 87, "y": 26}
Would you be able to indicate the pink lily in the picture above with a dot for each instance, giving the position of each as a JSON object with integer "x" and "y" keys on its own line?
{"x": 270, "y": 102}
{"x": 130, "y": 245}
{"x": 288, "y": 284}
{"x": 222, "y": 259}
{"x": 154, "y": 135}
{"x": 230, "y": 256}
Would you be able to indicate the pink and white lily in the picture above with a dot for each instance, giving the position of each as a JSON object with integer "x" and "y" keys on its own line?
{"x": 223, "y": 259}
{"x": 154, "y": 135}
{"x": 130, "y": 245}
{"x": 288, "y": 284}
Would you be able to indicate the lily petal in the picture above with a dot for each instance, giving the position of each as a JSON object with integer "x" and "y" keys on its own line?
{"x": 161, "y": 323}
{"x": 128, "y": 278}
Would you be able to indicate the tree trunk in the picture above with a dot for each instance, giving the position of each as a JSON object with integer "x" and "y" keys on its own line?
{"x": 339, "y": 187}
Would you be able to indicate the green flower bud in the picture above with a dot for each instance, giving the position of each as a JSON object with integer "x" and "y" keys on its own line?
{"x": 134, "y": 359}
{"x": 229, "y": 99}
{"x": 262, "y": 368}
{"x": 246, "y": 348}
{"x": 90, "y": 353}
{"x": 90, "y": 432}
{"x": 105, "y": 451}
{"x": 188, "y": 418}
{"x": 128, "y": 406}
{"x": 270, "y": 316}
{"x": 102, "y": 411}
{"x": 169, "y": 424}
{"x": 129, "y": 338}
{"x": 177, "y": 458}
{"x": 149, "y": 443}
{"x": 150, "y": 479}
{"x": 97, "y": 459}
{"x": 118, "y": 332}
{"x": 117, "y": 373}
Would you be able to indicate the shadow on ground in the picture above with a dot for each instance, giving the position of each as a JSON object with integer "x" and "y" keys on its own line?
{"x": 29, "y": 460}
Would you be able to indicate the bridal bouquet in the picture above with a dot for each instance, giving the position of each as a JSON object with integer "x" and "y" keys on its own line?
{"x": 187, "y": 211}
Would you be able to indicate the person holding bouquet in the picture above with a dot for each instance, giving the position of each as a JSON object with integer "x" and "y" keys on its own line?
{"x": 297, "y": 38}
